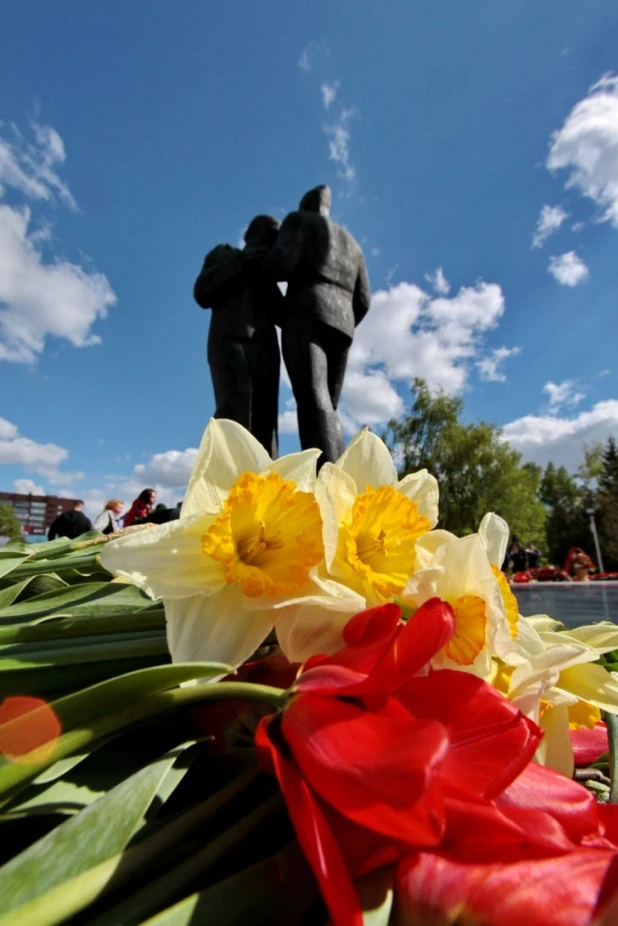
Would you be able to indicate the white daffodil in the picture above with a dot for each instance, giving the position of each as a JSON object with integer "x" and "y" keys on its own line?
{"x": 494, "y": 535}
{"x": 240, "y": 559}
{"x": 558, "y": 685}
{"x": 460, "y": 573}
{"x": 372, "y": 521}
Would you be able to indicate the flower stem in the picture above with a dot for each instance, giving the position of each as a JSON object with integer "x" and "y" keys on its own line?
{"x": 612, "y": 735}
{"x": 19, "y": 773}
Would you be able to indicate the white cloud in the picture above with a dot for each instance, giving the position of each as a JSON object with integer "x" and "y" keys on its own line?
{"x": 44, "y": 459}
{"x": 545, "y": 438}
{"x": 30, "y": 167}
{"x": 39, "y": 299}
{"x": 409, "y": 333}
{"x": 568, "y": 269}
{"x": 489, "y": 367}
{"x": 329, "y": 93}
{"x": 587, "y": 146}
{"x": 375, "y": 252}
{"x": 7, "y": 430}
{"x": 170, "y": 469}
{"x": 438, "y": 282}
{"x": 288, "y": 422}
{"x": 549, "y": 221}
{"x": 28, "y": 487}
{"x": 310, "y": 52}
{"x": 562, "y": 395}
{"x": 339, "y": 145}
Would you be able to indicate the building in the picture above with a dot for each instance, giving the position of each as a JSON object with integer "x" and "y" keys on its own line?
{"x": 36, "y": 512}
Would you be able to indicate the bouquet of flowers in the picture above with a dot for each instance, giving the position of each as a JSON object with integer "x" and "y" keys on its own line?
{"x": 301, "y": 703}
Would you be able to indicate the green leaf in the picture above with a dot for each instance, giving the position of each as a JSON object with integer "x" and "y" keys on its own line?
{"x": 275, "y": 892}
{"x": 53, "y": 627}
{"x": 10, "y": 560}
{"x": 115, "y": 703}
{"x": 150, "y": 644}
{"x": 85, "y": 599}
{"x": 101, "y": 830}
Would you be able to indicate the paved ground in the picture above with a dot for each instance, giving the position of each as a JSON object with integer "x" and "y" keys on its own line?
{"x": 573, "y": 603}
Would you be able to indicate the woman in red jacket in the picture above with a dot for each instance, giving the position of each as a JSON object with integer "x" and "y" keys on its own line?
{"x": 141, "y": 507}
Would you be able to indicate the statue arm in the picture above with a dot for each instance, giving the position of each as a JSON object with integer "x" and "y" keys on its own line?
{"x": 362, "y": 293}
{"x": 283, "y": 260}
{"x": 222, "y": 267}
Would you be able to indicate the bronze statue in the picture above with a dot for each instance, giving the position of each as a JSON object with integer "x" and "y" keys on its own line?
{"x": 243, "y": 351}
{"x": 328, "y": 294}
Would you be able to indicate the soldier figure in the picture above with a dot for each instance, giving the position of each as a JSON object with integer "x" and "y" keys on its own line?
{"x": 243, "y": 352}
{"x": 328, "y": 294}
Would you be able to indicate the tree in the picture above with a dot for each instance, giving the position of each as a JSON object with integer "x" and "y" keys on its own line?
{"x": 476, "y": 469}
{"x": 9, "y": 525}
{"x": 567, "y": 524}
{"x": 607, "y": 506}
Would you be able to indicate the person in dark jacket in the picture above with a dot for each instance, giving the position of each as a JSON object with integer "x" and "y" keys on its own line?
{"x": 70, "y": 524}
{"x": 141, "y": 507}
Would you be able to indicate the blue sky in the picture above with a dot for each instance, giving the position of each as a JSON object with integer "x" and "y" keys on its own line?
{"x": 136, "y": 136}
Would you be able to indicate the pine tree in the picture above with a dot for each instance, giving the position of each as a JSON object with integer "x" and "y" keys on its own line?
{"x": 607, "y": 506}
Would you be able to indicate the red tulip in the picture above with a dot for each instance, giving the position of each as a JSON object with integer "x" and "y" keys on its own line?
{"x": 569, "y": 890}
{"x": 588, "y": 745}
{"x": 373, "y": 749}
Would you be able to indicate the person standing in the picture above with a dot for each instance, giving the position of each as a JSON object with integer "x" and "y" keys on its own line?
{"x": 141, "y": 507}
{"x": 243, "y": 351}
{"x": 328, "y": 294}
{"x": 109, "y": 521}
{"x": 70, "y": 524}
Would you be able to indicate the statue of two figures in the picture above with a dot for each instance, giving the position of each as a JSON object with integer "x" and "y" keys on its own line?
{"x": 327, "y": 296}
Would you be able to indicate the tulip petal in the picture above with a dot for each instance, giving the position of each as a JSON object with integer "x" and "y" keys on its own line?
{"x": 561, "y": 891}
{"x": 490, "y": 742}
{"x": 422, "y": 489}
{"x": 215, "y": 629}
{"x": 318, "y": 844}
{"x": 226, "y": 451}
{"x": 297, "y": 467}
{"x": 166, "y": 561}
{"x": 368, "y": 461}
{"x": 375, "y": 767}
{"x": 543, "y": 789}
{"x": 588, "y": 745}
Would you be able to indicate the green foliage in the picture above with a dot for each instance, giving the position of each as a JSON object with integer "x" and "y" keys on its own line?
{"x": 567, "y": 524}
{"x": 476, "y": 469}
{"x": 607, "y": 506}
{"x": 9, "y": 525}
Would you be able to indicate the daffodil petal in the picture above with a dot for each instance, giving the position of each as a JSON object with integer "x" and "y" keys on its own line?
{"x": 555, "y": 749}
{"x": 494, "y": 535}
{"x": 297, "y": 467}
{"x": 422, "y": 489}
{"x": 601, "y": 637}
{"x": 166, "y": 561}
{"x": 227, "y": 450}
{"x": 591, "y": 683}
{"x": 368, "y": 461}
{"x": 215, "y": 629}
{"x": 303, "y": 630}
{"x": 335, "y": 493}
{"x": 542, "y": 622}
{"x": 433, "y": 540}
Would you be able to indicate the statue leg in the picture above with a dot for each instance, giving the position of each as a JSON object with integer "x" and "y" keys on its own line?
{"x": 307, "y": 364}
{"x": 231, "y": 380}
{"x": 265, "y": 363}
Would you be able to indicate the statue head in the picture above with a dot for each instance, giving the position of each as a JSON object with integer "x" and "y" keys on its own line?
{"x": 318, "y": 199}
{"x": 262, "y": 231}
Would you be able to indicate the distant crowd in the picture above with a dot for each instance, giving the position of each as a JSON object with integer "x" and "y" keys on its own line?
{"x": 520, "y": 558}
{"x": 144, "y": 510}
